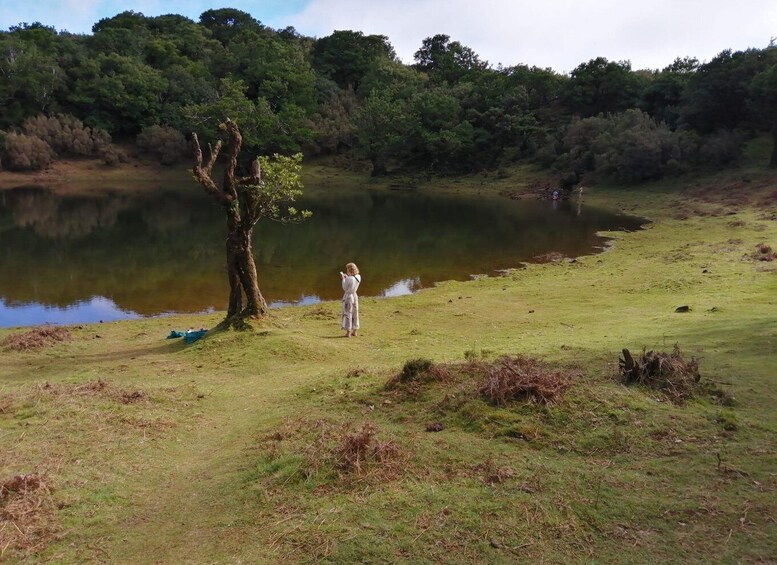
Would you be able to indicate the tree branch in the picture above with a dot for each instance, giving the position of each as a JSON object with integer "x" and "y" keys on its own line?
{"x": 234, "y": 150}
{"x": 203, "y": 173}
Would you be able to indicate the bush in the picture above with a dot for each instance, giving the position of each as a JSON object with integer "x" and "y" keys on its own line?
{"x": 414, "y": 368}
{"x": 417, "y": 372}
{"x": 111, "y": 155}
{"x": 26, "y": 152}
{"x": 66, "y": 134}
{"x": 720, "y": 149}
{"x": 547, "y": 154}
{"x": 630, "y": 146}
{"x": 166, "y": 144}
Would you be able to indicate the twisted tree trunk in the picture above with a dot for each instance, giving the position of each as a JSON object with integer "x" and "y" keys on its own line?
{"x": 241, "y": 268}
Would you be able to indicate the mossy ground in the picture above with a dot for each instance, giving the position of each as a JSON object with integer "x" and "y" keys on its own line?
{"x": 226, "y": 457}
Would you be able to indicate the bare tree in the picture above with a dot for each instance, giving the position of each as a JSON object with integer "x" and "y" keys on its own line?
{"x": 267, "y": 192}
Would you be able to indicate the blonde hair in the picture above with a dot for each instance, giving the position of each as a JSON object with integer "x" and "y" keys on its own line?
{"x": 352, "y": 269}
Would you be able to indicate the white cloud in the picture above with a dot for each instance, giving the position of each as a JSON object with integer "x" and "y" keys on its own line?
{"x": 556, "y": 33}
{"x": 76, "y": 16}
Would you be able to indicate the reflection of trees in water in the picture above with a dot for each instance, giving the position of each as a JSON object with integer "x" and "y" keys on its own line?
{"x": 167, "y": 214}
{"x": 163, "y": 251}
{"x": 147, "y": 252}
{"x": 52, "y": 217}
{"x": 399, "y": 236}
{"x": 56, "y": 217}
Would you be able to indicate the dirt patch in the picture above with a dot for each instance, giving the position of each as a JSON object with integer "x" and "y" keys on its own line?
{"x": 27, "y": 516}
{"x": 36, "y": 338}
{"x": 552, "y": 257}
{"x": 670, "y": 373}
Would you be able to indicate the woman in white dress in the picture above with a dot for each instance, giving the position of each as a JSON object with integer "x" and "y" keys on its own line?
{"x": 351, "y": 280}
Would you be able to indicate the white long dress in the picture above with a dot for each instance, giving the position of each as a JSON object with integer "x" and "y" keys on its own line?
{"x": 351, "y": 302}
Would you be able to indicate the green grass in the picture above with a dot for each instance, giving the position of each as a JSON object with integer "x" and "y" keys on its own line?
{"x": 231, "y": 453}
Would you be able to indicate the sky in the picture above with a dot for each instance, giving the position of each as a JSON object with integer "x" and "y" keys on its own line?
{"x": 560, "y": 34}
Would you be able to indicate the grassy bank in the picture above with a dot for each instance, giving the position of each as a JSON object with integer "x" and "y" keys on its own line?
{"x": 240, "y": 447}
{"x": 70, "y": 177}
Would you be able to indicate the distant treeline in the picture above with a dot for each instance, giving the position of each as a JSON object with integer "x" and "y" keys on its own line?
{"x": 154, "y": 79}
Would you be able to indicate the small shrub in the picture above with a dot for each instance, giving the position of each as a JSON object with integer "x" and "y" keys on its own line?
{"x": 166, "y": 144}
{"x": 111, "y": 155}
{"x": 26, "y": 152}
{"x": 414, "y": 369}
{"x": 67, "y": 135}
{"x": 721, "y": 149}
{"x": 417, "y": 371}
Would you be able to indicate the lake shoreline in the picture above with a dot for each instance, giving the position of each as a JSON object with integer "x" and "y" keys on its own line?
{"x": 111, "y": 254}
{"x": 87, "y": 175}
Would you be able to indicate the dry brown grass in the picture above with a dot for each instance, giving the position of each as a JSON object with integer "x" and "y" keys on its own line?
{"x": 519, "y": 378}
{"x": 27, "y": 516}
{"x": 499, "y": 382}
{"x": 669, "y": 373}
{"x": 493, "y": 474}
{"x": 98, "y": 388}
{"x": 360, "y": 449}
{"x": 36, "y": 338}
{"x": 763, "y": 252}
{"x": 6, "y": 404}
{"x": 360, "y": 453}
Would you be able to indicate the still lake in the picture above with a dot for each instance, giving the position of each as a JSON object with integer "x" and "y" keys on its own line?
{"x": 128, "y": 254}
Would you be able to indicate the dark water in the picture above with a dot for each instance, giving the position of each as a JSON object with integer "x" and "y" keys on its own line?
{"x": 125, "y": 255}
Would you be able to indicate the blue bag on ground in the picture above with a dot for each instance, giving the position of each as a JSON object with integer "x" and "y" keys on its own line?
{"x": 189, "y": 336}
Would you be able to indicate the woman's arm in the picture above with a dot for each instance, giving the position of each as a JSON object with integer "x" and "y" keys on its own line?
{"x": 348, "y": 283}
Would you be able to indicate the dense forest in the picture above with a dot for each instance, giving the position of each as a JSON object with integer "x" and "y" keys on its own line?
{"x": 147, "y": 81}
